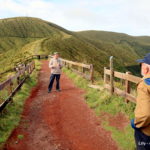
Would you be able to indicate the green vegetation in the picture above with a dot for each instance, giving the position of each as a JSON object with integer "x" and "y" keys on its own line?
{"x": 10, "y": 117}
{"x": 125, "y": 48}
{"x": 102, "y": 102}
{"x": 21, "y": 37}
{"x": 24, "y": 36}
{"x": 20, "y": 136}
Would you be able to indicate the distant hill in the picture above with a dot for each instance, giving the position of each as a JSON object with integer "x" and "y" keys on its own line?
{"x": 127, "y": 48}
{"x": 23, "y": 36}
{"x": 27, "y": 27}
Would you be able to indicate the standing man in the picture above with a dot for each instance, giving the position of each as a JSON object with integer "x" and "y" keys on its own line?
{"x": 56, "y": 65}
{"x": 141, "y": 123}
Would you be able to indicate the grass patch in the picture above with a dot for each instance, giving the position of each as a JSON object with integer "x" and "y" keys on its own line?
{"x": 102, "y": 101}
{"x": 10, "y": 117}
{"x": 20, "y": 136}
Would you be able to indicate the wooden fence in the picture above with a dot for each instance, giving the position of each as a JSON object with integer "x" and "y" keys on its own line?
{"x": 84, "y": 70}
{"x": 128, "y": 77}
{"x": 9, "y": 87}
{"x": 25, "y": 68}
{"x": 25, "y": 61}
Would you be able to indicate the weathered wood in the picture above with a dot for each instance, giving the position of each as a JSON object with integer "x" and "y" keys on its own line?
{"x": 127, "y": 86}
{"x": 133, "y": 78}
{"x": 128, "y": 77}
{"x": 80, "y": 67}
{"x": 91, "y": 73}
{"x": 111, "y": 76}
{"x": 107, "y": 71}
{"x": 119, "y": 75}
{"x": 9, "y": 82}
{"x": 3, "y": 105}
{"x": 76, "y": 63}
{"x": 105, "y": 76}
{"x": 10, "y": 87}
{"x": 19, "y": 73}
{"x": 122, "y": 93}
{"x": 18, "y": 80}
{"x": 83, "y": 70}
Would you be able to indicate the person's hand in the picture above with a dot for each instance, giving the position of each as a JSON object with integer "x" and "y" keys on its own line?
{"x": 60, "y": 66}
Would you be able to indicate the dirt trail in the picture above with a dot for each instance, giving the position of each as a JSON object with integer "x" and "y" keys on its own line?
{"x": 58, "y": 120}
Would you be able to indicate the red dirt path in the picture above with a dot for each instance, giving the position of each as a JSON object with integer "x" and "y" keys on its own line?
{"x": 58, "y": 120}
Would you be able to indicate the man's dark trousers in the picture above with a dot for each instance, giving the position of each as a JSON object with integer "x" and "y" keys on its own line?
{"x": 52, "y": 78}
{"x": 142, "y": 140}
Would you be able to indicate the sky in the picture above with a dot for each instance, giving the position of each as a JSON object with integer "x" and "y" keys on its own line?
{"x": 126, "y": 16}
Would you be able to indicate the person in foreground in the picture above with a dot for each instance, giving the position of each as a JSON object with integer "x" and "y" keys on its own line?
{"x": 141, "y": 123}
{"x": 55, "y": 65}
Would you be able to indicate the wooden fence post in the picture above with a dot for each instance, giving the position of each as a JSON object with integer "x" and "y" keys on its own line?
{"x": 18, "y": 80}
{"x": 33, "y": 65}
{"x": 78, "y": 69}
{"x": 105, "y": 76}
{"x": 83, "y": 70}
{"x": 91, "y": 73}
{"x": 127, "y": 86}
{"x": 68, "y": 65}
{"x": 10, "y": 87}
{"x": 111, "y": 76}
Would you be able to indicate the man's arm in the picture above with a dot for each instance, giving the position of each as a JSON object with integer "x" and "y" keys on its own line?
{"x": 142, "y": 113}
{"x": 51, "y": 64}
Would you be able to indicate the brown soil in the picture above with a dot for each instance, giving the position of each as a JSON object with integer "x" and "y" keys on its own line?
{"x": 58, "y": 120}
{"x": 119, "y": 121}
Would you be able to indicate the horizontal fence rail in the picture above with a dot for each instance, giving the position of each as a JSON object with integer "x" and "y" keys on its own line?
{"x": 123, "y": 76}
{"x": 127, "y": 77}
{"x": 9, "y": 87}
{"x": 25, "y": 68}
{"x": 84, "y": 70}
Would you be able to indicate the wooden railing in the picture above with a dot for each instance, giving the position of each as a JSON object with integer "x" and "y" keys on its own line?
{"x": 25, "y": 61}
{"x": 13, "y": 84}
{"x": 84, "y": 70}
{"x": 9, "y": 87}
{"x": 127, "y": 77}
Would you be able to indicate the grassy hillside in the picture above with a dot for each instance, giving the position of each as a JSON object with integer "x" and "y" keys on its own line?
{"x": 23, "y": 36}
{"x": 26, "y": 27}
{"x": 127, "y": 48}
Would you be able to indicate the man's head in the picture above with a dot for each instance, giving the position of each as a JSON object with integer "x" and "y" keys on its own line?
{"x": 56, "y": 55}
{"x": 145, "y": 65}
{"x": 145, "y": 69}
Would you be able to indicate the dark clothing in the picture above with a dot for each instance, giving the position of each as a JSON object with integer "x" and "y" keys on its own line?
{"x": 52, "y": 78}
{"x": 142, "y": 141}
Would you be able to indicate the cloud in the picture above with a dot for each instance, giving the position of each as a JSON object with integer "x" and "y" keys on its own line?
{"x": 131, "y": 17}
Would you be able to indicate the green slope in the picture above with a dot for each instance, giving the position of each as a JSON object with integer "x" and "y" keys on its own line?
{"x": 21, "y": 37}
{"x": 26, "y": 27}
{"x": 139, "y": 44}
{"x": 24, "y": 36}
{"x": 124, "y": 47}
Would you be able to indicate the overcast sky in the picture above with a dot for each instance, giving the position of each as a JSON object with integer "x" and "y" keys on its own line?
{"x": 127, "y": 16}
